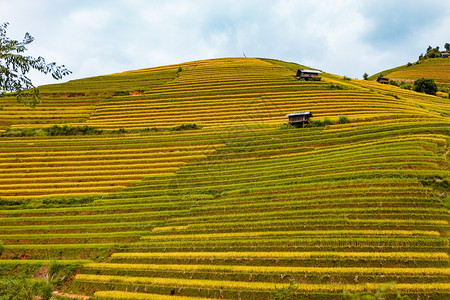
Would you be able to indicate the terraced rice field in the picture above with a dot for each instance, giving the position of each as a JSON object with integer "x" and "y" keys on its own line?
{"x": 435, "y": 68}
{"x": 243, "y": 205}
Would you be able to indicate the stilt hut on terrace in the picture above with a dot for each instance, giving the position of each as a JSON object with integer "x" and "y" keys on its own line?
{"x": 383, "y": 80}
{"x": 307, "y": 74}
{"x": 299, "y": 119}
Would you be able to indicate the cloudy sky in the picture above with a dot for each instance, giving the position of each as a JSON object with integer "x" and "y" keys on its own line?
{"x": 345, "y": 37}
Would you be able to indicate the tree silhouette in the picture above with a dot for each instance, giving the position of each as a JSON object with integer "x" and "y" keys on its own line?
{"x": 14, "y": 66}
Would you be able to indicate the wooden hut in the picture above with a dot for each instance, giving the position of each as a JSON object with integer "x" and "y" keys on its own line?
{"x": 306, "y": 74}
{"x": 383, "y": 80}
{"x": 299, "y": 119}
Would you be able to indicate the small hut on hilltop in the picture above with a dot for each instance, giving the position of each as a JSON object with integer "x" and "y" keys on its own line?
{"x": 383, "y": 80}
{"x": 307, "y": 74}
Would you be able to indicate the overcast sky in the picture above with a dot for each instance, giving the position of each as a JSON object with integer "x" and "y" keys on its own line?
{"x": 345, "y": 37}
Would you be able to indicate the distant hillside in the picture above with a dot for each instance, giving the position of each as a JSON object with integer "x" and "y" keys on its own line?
{"x": 150, "y": 206}
{"x": 434, "y": 68}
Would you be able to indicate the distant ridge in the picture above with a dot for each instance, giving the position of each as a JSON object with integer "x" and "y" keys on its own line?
{"x": 433, "y": 68}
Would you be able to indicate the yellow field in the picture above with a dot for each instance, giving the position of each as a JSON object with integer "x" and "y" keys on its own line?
{"x": 239, "y": 205}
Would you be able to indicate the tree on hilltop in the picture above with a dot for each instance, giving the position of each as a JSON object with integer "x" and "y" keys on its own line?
{"x": 447, "y": 46}
{"x": 14, "y": 66}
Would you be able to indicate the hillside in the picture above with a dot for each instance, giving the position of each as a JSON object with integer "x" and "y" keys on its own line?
{"x": 434, "y": 68}
{"x": 237, "y": 206}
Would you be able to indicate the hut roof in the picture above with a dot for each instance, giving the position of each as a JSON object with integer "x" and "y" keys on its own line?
{"x": 306, "y": 113}
{"x": 309, "y": 71}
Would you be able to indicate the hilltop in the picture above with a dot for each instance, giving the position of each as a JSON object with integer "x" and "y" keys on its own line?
{"x": 186, "y": 181}
{"x": 430, "y": 66}
{"x": 434, "y": 68}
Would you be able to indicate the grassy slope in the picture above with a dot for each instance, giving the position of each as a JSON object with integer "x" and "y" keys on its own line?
{"x": 434, "y": 68}
{"x": 240, "y": 206}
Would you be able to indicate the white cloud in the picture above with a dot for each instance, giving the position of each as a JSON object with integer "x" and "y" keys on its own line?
{"x": 347, "y": 37}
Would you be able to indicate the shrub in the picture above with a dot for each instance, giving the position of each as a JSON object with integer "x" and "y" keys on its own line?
{"x": 20, "y": 132}
{"x": 405, "y": 86}
{"x": 72, "y": 130}
{"x": 180, "y": 69}
{"x": 185, "y": 127}
{"x": 22, "y": 288}
{"x": 427, "y": 86}
{"x": 286, "y": 293}
{"x": 334, "y": 86}
{"x": 122, "y": 130}
{"x": 327, "y": 121}
{"x": 387, "y": 290}
{"x": 393, "y": 82}
{"x": 347, "y": 78}
{"x": 122, "y": 93}
{"x": 343, "y": 119}
{"x": 393, "y": 95}
{"x": 69, "y": 200}
{"x": 316, "y": 123}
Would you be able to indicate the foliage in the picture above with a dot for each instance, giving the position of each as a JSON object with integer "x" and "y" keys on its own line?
{"x": 286, "y": 293}
{"x": 320, "y": 123}
{"x": 433, "y": 52}
{"x": 22, "y": 132}
{"x": 70, "y": 200}
{"x": 392, "y": 95}
{"x": 366, "y": 76}
{"x": 121, "y": 93}
{"x": 335, "y": 86}
{"x": 22, "y": 288}
{"x": 404, "y": 85}
{"x": 380, "y": 294}
{"x": 327, "y": 121}
{"x": 440, "y": 186}
{"x": 342, "y": 119}
{"x": 1, "y": 248}
{"x": 54, "y": 130}
{"x": 59, "y": 273}
{"x": 185, "y": 127}
{"x": 393, "y": 82}
{"x": 14, "y": 66}
{"x": 316, "y": 123}
{"x": 427, "y": 86}
{"x": 72, "y": 130}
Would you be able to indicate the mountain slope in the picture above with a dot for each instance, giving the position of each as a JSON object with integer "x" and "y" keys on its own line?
{"x": 240, "y": 206}
{"x": 434, "y": 68}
